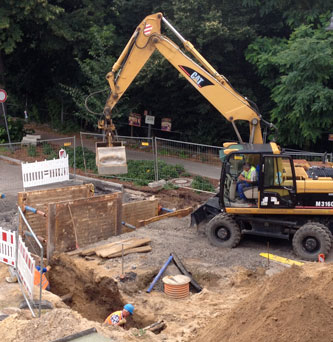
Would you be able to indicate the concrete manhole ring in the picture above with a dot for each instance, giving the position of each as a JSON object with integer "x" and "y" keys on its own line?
{"x": 181, "y": 182}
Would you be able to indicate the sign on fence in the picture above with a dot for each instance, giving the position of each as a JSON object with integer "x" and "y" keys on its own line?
{"x": 45, "y": 172}
{"x": 7, "y": 247}
{"x": 25, "y": 267}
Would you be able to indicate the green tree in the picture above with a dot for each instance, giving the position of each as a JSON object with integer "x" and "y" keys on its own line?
{"x": 299, "y": 73}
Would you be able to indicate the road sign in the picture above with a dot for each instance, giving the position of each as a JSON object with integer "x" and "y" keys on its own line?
{"x": 3, "y": 96}
{"x": 150, "y": 120}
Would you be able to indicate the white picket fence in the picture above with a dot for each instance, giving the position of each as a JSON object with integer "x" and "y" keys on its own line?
{"x": 25, "y": 267}
{"x": 45, "y": 172}
{"x": 7, "y": 247}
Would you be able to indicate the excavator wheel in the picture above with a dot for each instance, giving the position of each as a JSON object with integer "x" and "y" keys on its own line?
{"x": 223, "y": 231}
{"x": 311, "y": 240}
{"x": 323, "y": 226}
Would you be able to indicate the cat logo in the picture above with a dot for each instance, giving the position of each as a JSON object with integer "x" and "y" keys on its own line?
{"x": 198, "y": 79}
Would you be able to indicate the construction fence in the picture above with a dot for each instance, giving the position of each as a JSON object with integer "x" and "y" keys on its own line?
{"x": 40, "y": 150}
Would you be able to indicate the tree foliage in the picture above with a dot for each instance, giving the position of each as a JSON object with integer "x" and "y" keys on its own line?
{"x": 54, "y": 53}
{"x": 298, "y": 72}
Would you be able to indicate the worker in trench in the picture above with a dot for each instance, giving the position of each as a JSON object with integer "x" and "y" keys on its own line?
{"x": 119, "y": 317}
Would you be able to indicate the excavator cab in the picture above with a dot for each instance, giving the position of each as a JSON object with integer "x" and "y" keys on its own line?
{"x": 110, "y": 155}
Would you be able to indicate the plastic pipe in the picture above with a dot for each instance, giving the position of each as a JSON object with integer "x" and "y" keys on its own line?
{"x": 2, "y": 195}
{"x": 159, "y": 274}
{"x": 33, "y": 210}
{"x": 128, "y": 225}
{"x": 168, "y": 210}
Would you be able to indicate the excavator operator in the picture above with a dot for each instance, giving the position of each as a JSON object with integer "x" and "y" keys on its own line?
{"x": 245, "y": 180}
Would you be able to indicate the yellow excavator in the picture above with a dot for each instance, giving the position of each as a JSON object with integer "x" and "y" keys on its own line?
{"x": 285, "y": 199}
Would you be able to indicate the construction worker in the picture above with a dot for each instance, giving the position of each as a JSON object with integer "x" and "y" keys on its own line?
{"x": 247, "y": 178}
{"x": 119, "y": 317}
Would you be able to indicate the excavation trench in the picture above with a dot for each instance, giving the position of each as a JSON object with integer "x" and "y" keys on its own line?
{"x": 88, "y": 292}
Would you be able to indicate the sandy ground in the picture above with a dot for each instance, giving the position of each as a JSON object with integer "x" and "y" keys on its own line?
{"x": 229, "y": 277}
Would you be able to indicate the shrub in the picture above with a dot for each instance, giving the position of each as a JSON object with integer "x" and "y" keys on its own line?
{"x": 32, "y": 152}
{"x": 200, "y": 183}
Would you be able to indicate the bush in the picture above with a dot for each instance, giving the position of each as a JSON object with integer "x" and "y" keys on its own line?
{"x": 200, "y": 183}
{"x": 15, "y": 128}
{"x": 47, "y": 149}
{"x": 32, "y": 152}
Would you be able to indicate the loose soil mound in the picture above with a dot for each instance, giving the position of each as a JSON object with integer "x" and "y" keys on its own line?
{"x": 296, "y": 305}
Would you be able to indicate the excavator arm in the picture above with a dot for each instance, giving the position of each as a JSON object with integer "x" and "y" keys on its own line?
{"x": 214, "y": 87}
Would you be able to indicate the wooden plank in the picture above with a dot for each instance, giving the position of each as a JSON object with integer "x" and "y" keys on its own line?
{"x": 104, "y": 253}
{"x": 95, "y": 219}
{"x": 119, "y": 214}
{"x": 177, "y": 213}
{"x": 50, "y": 231}
{"x": 40, "y": 199}
{"x": 133, "y": 212}
{"x": 92, "y": 250}
{"x": 142, "y": 249}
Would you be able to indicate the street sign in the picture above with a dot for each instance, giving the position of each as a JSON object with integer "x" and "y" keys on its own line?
{"x": 150, "y": 120}
{"x": 3, "y": 96}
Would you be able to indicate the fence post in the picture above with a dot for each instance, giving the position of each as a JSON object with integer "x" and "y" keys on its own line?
{"x": 74, "y": 157}
{"x": 155, "y": 160}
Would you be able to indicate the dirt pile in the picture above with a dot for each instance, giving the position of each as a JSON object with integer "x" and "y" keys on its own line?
{"x": 56, "y": 324}
{"x": 295, "y": 305}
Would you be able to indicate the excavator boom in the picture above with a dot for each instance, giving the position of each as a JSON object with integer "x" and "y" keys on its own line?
{"x": 214, "y": 87}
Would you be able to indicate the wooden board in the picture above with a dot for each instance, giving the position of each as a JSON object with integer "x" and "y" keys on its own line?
{"x": 96, "y": 218}
{"x": 177, "y": 213}
{"x": 142, "y": 249}
{"x": 133, "y": 212}
{"x": 105, "y": 253}
{"x": 93, "y": 250}
{"x": 39, "y": 199}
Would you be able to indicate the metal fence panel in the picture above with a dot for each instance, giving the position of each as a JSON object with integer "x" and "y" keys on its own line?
{"x": 206, "y": 154}
{"x": 27, "y": 265}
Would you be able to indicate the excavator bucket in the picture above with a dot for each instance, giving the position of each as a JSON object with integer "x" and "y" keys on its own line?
{"x": 111, "y": 160}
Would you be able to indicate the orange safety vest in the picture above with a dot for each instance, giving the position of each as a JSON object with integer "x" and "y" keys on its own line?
{"x": 45, "y": 282}
{"x": 114, "y": 318}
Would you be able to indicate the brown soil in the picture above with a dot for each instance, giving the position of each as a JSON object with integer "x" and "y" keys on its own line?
{"x": 296, "y": 305}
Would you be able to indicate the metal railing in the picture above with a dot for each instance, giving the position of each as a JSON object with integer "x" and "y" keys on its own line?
{"x": 41, "y": 150}
{"x": 207, "y": 154}
{"x": 36, "y": 248}
{"x": 309, "y": 156}
{"x": 137, "y": 148}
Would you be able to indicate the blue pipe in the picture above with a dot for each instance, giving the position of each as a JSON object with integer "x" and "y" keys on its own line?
{"x": 159, "y": 274}
{"x": 2, "y": 195}
{"x": 33, "y": 210}
{"x": 168, "y": 210}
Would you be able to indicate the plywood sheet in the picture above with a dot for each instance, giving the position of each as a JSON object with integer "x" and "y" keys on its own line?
{"x": 133, "y": 212}
{"x": 95, "y": 219}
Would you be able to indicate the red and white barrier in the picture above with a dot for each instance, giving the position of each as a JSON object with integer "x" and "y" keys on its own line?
{"x": 45, "y": 172}
{"x": 25, "y": 267}
{"x": 7, "y": 247}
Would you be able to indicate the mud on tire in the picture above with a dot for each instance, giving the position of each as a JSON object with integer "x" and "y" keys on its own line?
{"x": 310, "y": 240}
{"x": 223, "y": 231}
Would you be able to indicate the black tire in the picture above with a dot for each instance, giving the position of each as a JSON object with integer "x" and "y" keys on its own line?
{"x": 310, "y": 240}
{"x": 223, "y": 231}
{"x": 323, "y": 226}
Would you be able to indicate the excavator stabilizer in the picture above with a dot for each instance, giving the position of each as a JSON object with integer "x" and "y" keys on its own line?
{"x": 111, "y": 160}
